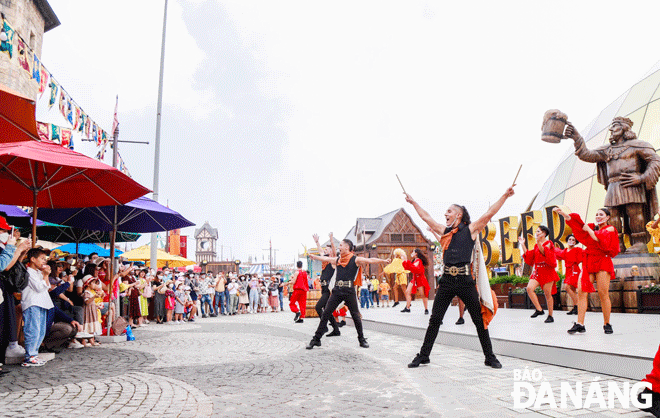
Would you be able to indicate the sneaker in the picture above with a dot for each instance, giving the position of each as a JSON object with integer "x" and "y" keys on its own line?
{"x": 313, "y": 343}
{"x": 16, "y": 351}
{"x": 334, "y": 333}
{"x": 300, "y": 321}
{"x": 75, "y": 344}
{"x": 297, "y": 317}
{"x": 191, "y": 320}
{"x": 33, "y": 361}
{"x": 572, "y": 311}
{"x": 549, "y": 319}
{"x": 493, "y": 362}
{"x": 576, "y": 328}
{"x": 537, "y": 313}
{"x": 395, "y": 303}
{"x": 419, "y": 359}
{"x": 426, "y": 311}
{"x": 341, "y": 323}
{"x": 363, "y": 343}
{"x": 460, "y": 321}
{"x": 608, "y": 329}
{"x": 405, "y": 310}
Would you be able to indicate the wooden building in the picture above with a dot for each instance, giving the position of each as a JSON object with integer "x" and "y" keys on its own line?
{"x": 216, "y": 267}
{"x": 380, "y": 236}
{"x": 206, "y": 238}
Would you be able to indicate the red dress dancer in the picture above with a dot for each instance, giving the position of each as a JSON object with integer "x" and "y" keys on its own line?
{"x": 418, "y": 269}
{"x": 298, "y": 299}
{"x": 601, "y": 246}
{"x": 544, "y": 274}
{"x": 572, "y": 256}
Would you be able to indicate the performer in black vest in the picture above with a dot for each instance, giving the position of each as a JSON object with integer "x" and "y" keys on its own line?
{"x": 344, "y": 290}
{"x": 327, "y": 271}
{"x": 457, "y": 241}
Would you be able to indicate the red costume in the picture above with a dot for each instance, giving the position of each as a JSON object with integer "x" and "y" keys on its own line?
{"x": 299, "y": 295}
{"x": 418, "y": 271}
{"x": 598, "y": 255}
{"x": 340, "y": 312}
{"x": 573, "y": 257}
{"x": 544, "y": 264}
{"x": 654, "y": 377}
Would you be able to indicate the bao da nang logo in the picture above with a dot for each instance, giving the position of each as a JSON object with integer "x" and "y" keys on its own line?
{"x": 530, "y": 390}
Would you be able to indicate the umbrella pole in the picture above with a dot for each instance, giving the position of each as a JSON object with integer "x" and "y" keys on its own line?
{"x": 34, "y": 219}
{"x": 113, "y": 236}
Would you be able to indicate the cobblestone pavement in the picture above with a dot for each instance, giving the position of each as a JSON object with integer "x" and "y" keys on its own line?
{"x": 257, "y": 366}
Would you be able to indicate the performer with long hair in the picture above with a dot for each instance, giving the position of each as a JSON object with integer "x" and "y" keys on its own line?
{"x": 327, "y": 271}
{"x": 348, "y": 270}
{"x": 458, "y": 241}
{"x": 542, "y": 258}
{"x": 572, "y": 257}
{"x": 602, "y": 244}
{"x": 418, "y": 269}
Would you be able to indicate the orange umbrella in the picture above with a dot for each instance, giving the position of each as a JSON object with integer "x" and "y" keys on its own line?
{"x": 17, "y": 117}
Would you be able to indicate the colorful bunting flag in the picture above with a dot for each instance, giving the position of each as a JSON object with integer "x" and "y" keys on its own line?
{"x": 55, "y": 133}
{"x": 88, "y": 128}
{"x": 43, "y": 129}
{"x": 43, "y": 81}
{"x": 66, "y": 137}
{"x": 53, "y": 92}
{"x": 8, "y": 45}
{"x": 95, "y": 135}
{"x": 83, "y": 121}
{"x": 69, "y": 112}
{"x": 22, "y": 55}
{"x": 63, "y": 106}
{"x": 76, "y": 119}
{"x": 36, "y": 69}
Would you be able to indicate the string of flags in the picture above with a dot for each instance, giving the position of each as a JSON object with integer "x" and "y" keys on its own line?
{"x": 12, "y": 44}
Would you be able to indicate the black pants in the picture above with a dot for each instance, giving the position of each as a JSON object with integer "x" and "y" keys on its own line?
{"x": 463, "y": 287}
{"x": 338, "y": 295}
{"x": 320, "y": 306}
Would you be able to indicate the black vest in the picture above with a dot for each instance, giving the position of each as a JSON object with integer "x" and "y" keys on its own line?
{"x": 349, "y": 272}
{"x": 460, "y": 247}
{"x": 326, "y": 275}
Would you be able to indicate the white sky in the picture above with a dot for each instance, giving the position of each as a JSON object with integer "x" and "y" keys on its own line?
{"x": 282, "y": 119}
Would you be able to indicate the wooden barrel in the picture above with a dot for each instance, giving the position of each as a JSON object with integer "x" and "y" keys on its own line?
{"x": 615, "y": 294}
{"x": 313, "y": 296}
{"x": 630, "y": 287}
{"x": 647, "y": 265}
{"x": 554, "y": 123}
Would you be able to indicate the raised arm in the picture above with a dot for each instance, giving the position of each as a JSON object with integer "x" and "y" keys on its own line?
{"x": 477, "y": 226}
{"x": 372, "y": 260}
{"x": 332, "y": 243}
{"x": 323, "y": 258}
{"x": 437, "y": 227}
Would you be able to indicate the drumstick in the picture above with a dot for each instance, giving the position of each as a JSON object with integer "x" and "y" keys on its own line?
{"x": 514, "y": 180}
{"x": 397, "y": 177}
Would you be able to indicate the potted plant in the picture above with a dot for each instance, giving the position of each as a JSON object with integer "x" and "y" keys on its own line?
{"x": 518, "y": 298}
{"x": 648, "y": 298}
{"x": 502, "y": 284}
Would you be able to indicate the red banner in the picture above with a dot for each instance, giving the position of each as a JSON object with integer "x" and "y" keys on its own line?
{"x": 184, "y": 246}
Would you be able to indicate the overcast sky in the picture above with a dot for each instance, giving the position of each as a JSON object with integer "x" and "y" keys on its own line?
{"x": 282, "y": 119}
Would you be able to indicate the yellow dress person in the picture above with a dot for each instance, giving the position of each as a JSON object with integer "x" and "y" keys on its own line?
{"x": 396, "y": 267}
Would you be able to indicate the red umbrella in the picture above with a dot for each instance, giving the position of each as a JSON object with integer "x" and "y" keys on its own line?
{"x": 41, "y": 174}
{"x": 17, "y": 122}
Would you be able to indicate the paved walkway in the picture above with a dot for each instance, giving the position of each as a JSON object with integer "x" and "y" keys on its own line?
{"x": 257, "y": 366}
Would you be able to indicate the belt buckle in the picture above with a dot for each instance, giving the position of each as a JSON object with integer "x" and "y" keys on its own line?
{"x": 453, "y": 270}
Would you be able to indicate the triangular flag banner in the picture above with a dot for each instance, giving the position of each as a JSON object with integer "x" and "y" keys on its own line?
{"x": 104, "y": 137}
{"x": 43, "y": 130}
{"x": 83, "y": 121}
{"x": 95, "y": 136}
{"x": 66, "y": 137}
{"x": 43, "y": 81}
{"x": 55, "y": 136}
{"x": 53, "y": 92}
{"x": 22, "y": 55}
{"x": 88, "y": 127}
{"x": 69, "y": 112}
{"x": 36, "y": 69}
{"x": 76, "y": 121}
{"x": 8, "y": 45}
{"x": 63, "y": 106}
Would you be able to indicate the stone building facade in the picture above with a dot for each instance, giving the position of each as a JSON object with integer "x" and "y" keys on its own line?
{"x": 30, "y": 19}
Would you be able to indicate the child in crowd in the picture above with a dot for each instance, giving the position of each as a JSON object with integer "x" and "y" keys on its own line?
{"x": 385, "y": 292}
{"x": 179, "y": 308}
{"x": 264, "y": 299}
{"x": 93, "y": 299}
{"x": 170, "y": 302}
{"x": 273, "y": 295}
{"x": 190, "y": 307}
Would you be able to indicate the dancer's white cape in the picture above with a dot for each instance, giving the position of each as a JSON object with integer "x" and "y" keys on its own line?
{"x": 483, "y": 285}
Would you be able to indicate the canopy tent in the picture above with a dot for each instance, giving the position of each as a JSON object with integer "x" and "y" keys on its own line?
{"x": 143, "y": 253}
{"x": 263, "y": 269}
{"x": 61, "y": 233}
{"x": 86, "y": 249}
{"x": 17, "y": 117}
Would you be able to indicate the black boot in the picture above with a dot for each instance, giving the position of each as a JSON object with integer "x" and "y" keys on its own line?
{"x": 460, "y": 321}
{"x": 419, "y": 359}
{"x": 334, "y": 333}
{"x": 537, "y": 313}
{"x": 313, "y": 343}
{"x": 572, "y": 311}
{"x": 363, "y": 342}
{"x": 493, "y": 362}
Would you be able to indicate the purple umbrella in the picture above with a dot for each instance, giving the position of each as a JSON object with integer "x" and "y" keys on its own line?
{"x": 141, "y": 215}
{"x": 17, "y": 217}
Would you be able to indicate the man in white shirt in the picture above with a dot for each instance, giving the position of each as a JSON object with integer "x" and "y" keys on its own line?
{"x": 233, "y": 296}
{"x": 35, "y": 302}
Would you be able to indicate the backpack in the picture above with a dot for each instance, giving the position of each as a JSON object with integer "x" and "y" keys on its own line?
{"x": 16, "y": 278}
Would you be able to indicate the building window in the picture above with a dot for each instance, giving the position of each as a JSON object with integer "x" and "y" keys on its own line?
{"x": 408, "y": 237}
{"x": 396, "y": 237}
{"x": 33, "y": 40}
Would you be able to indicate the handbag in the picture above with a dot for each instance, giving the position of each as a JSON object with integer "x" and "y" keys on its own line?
{"x": 16, "y": 278}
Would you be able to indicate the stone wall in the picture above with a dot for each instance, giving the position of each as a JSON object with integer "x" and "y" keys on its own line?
{"x": 26, "y": 20}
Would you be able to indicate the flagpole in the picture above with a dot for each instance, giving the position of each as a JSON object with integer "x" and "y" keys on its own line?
{"x": 154, "y": 245}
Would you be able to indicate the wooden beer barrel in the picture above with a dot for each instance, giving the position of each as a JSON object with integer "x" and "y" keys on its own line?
{"x": 615, "y": 294}
{"x": 647, "y": 265}
{"x": 554, "y": 123}
{"x": 630, "y": 287}
{"x": 313, "y": 296}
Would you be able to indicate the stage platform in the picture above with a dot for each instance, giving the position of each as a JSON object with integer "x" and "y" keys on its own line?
{"x": 627, "y": 353}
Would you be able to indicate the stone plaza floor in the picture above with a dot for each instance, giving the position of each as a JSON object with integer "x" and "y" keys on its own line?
{"x": 257, "y": 366}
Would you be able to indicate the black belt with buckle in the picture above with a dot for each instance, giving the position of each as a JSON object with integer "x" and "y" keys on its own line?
{"x": 462, "y": 270}
{"x": 344, "y": 283}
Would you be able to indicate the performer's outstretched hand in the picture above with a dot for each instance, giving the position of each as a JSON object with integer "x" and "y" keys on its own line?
{"x": 509, "y": 192}
{"x": 560, "y": 212}
{"x": 409, "y": 198}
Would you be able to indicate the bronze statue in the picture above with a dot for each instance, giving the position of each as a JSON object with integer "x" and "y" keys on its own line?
{"x": 629, "y": 169}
